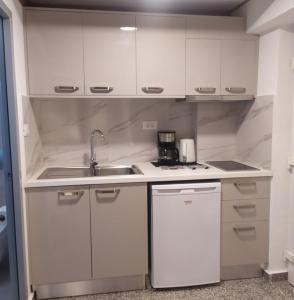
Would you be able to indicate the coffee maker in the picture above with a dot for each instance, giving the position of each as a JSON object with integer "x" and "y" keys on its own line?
{"x": 167, "y": 150}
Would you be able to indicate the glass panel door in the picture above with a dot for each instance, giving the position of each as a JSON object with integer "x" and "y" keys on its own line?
{"x": 8, "y": 263}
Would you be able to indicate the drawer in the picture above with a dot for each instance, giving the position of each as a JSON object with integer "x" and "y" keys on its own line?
{"x": 244, "y": 243}
{"x": 245, "y": 210}
{"x": 245, "y": 188}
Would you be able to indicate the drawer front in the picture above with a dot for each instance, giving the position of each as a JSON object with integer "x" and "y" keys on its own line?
{"x": 245, "y": 188}
{"x": 244, "y": 243}
{"x": 245, "y": 210}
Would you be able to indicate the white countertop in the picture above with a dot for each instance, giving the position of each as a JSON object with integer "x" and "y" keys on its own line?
{"x": 150, "y": 174}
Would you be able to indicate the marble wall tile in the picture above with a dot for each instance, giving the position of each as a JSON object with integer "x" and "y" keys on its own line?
{"x": 216, "y": 130}
{"x": 65, "y": 127}
{"x": 33, "y": 143}
{"x": 60, "y": 130}
{"x": 254, "y": 134}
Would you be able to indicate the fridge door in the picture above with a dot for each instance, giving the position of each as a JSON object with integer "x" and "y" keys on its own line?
{"x": 185, "y": 234}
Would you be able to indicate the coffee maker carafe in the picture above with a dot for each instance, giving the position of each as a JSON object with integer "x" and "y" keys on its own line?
{"x": 167, "y": 150}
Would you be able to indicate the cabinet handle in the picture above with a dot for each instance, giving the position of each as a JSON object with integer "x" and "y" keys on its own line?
{"x": 245, "y": 185}
{"x": 247, "y": 206}
{"x": 248, "y": 228}
{"x": 66, "y": 89}
{"x": 205, "y": 90}
{"x": 101, "y": 89}
{"x": 152, "y": 90}
{"x": 70, "y": 196}
{"x": 236, "y": 90}
{"x": 111, "y": 192}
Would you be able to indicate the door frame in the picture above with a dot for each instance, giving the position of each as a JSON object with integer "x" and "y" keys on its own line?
{"x": 18, "y": 216}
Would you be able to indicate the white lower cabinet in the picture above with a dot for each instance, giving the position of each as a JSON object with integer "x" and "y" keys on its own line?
{"x": 59, "y": 234}
{"x": 245, "y": 227}
{"x": 84, "y": 233}
{"x": 119, "y": 230}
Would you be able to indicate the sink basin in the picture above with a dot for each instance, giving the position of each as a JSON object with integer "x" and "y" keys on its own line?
{"x": 116, "y": 170}
{"x": 58, "y": 173}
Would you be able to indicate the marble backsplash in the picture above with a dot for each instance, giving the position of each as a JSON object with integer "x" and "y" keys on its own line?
{"x": 33, "y": 143}
{"x": 236, "y": 130}
{"x": 254, "y": 134}
{"x": 216, "y": 130}
{"x": 65, "y": 127}
{"x": 60, "y": 129}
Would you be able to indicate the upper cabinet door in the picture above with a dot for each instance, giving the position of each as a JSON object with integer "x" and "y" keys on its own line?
{"x": 239, "y": 67}
{"x": 55, "y": 53}
{"x": 203, "y": 67}
{"x": 160, "y": 55}
{"x": 109, "y": 54}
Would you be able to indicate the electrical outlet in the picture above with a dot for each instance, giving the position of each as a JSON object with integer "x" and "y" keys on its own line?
{"x": 149, "y": 125}
{"x": 26, "y": 130}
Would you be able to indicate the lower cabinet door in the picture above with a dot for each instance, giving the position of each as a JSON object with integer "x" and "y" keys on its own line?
{"x": 244, "y": 243}
{"x": 59, "y": 234}
{"x": 119, "y": 230}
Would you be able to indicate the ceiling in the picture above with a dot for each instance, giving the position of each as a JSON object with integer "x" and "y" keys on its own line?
{"x": 208, "y": 7}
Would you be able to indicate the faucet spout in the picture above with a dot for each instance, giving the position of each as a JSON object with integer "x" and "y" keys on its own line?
{"x": 93, "y": 161}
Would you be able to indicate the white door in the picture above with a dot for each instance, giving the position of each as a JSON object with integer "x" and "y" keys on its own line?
{"x": 203, "y": 59}
{"x": 160, "y": 55}
{"x": 185, "y": 235}
{"x": 239, "y": 67}
{"x": 109, "y": 54}
{"x": 55, "y": 53}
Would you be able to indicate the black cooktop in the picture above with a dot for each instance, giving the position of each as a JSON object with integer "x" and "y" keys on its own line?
{"x": 230, "y": 166}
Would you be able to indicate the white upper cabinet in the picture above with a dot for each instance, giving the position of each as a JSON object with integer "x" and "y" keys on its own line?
{"x": 239, "y": 67}
{"x": 160, "y": 55}
{"x": 55, "y": 53}
{"x": 109, "y": 54}
{"x": 203, "y": 63}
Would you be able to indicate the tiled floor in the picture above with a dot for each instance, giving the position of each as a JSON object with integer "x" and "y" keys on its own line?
{"x": 259, "y": 288}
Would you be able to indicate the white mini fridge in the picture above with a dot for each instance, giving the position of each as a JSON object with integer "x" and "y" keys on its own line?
{"x": 185, "y": 234}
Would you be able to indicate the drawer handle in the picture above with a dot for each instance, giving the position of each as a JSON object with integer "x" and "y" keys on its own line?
{"x": 101, "y": 89}
{"x": 245, "y": 186}
{"x": 244, "y": 183}
{"x": 205, "y": 90}
{"x": 247, "y": 206}
{"x": 112, "y": 191}
{"x": 107, "y": 195}
{"x": 152, "y": 90}
{"x": 66, "y": 89}
{"x": 70, "y": 194}
{"x": 242, "y": 229}
{"x": 69, "y": 197}
{"x": 236, "y": 90}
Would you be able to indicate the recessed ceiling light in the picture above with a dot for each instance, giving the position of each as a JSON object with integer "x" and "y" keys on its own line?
{"x": 128, "y": 28}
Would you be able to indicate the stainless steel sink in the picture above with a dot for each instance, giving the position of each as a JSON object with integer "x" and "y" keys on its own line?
{"x": 116, "y": 170}
{"x": 57, "y": 173}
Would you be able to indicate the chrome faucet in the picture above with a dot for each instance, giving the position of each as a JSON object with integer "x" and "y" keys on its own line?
{"x": 93, "y": 161}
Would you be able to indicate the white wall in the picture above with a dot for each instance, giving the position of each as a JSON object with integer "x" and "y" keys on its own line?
{"x": 282, "y": 133}
{"x": 253, "y": 9}
{"x": 267, "y": 15}
{"x": 20, "y": 79}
